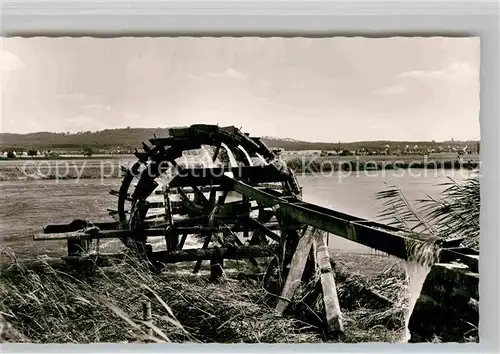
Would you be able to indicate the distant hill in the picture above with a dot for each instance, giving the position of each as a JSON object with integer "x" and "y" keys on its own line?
{"x": 130, "y": 138}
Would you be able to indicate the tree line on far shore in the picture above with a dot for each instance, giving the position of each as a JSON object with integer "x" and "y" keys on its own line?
{"x": 14, "y": 153}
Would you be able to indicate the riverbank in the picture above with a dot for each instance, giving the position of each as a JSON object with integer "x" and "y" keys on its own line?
{"x": 67, "y": 157}
{"x": 327, "y": 165}
{"x": 103, "y": 168}
{"x": 39, "y": 172}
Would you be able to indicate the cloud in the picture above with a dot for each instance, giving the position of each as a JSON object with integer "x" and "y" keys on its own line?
{"x": 9, "y": 62}
{"x": 265, "y": 83}
{"x": 83, "y": 123}
{"x": 391, "y": 90}
{"x": 228, "y": 73}
{"x": 9, "y": 65}
{"x": 96, "y": 107}
{"x": 72, "y": 96}
{"x": 456, "y": 70}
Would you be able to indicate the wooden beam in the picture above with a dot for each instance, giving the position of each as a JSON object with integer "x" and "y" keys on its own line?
{"x": 215, "y": 176}
{"x": 247, "y": 209}
{"x": 197, "y": 254}
{"x": 200, "y": 198}
{"x": 222, "y": 226}
{"x": 330, "y": 298}
{"x": 59, "y": 228}
{"x": 240, "y": 244}
{"x": 266, "y": 228}
{"x": 190, "y": 255}
{"x": 371, "y": 234}
{"x": 451, "y": 255}
{"x": 297, "y": 267}
{"x": 217, "y": 266}
{"x": 153, "y": 205}
{"x": 103, "y": 226}
{"x": 206, "y": 242}
{"x": 117, "y": 194}
{"x": 99, "y": 235}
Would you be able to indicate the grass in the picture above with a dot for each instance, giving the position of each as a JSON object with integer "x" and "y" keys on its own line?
{"x": 45, "y": 302}
{"x": 453, "y": 214}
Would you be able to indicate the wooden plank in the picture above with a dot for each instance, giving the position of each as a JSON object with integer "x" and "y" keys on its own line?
{"x": 450, "y": 255}
{"x": 153, "y": 205}
{"x": 191, "y": 254}
{"x": 117, "y": 194}
{"x": 171, "y": 239}
{"x": 330, "y": 299}
{"x": 266, "y": 228}
{"x": 215, "y": 176}
{"x": 223, "y": 226}
{"x": 196, "y": 254}
{"x": 240, "y": 243}
{"x": 103, "y": 226}
{"x": 183, "y": 241}
{"x": 206, "y": 242}
{"x": 297, "y": 267}
{"x": 99, "y": 235}
{"x": 374, "y": 235}
{"x": 200, "y": 198}
{"x": 59, "y": 228}
{"x": 247, "y": 209}
{"x": 217, "y": 266}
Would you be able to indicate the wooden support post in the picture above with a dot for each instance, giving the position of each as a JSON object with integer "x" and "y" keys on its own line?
{"x": 168, "y": 209}
{"x": 78, "y": 246}
{"x": 208, "y": 238}
{"x": 147, "y": 315}
{"x": 287, "y": 244}
{"x": 183, "y": 241}
{"x": 172, "y": 239}
{"x": 217, "y": 266}
{"x": 216, "y": 153}
{"x": 247, "y": 210}
{"x": 297, "y": 266}
{"x": 281, "y": 259}
{"x": 330, "y": 299}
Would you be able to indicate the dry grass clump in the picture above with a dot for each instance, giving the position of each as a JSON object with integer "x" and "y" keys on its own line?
{"x": 52, "y": 303}
{"x": 47, "y": 302}
{"x": 375, "y": 302}
{"x": 373, "y": 297}
{"x": 233, "y": 311}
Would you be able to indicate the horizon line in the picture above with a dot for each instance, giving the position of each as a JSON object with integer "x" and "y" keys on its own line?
{"x": 477, "y": 139}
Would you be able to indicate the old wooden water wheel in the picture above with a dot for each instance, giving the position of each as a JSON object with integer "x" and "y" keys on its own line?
{"x": 177, "y": 182}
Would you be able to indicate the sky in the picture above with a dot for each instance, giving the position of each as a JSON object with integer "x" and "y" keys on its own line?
{"x": 316, "y": 89}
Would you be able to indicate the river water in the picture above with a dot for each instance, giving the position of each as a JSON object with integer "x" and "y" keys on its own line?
{"x": 26, "y": 206}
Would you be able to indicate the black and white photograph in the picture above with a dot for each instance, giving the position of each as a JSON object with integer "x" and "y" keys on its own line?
{"x": 239, "y": 189}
